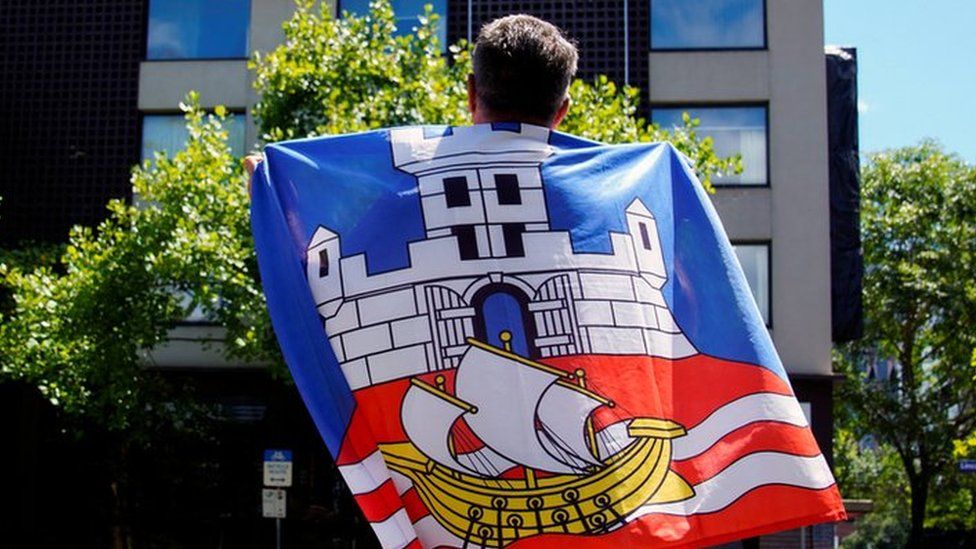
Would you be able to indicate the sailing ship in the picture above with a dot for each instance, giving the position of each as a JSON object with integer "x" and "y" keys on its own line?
{"x": 535, "y": 463}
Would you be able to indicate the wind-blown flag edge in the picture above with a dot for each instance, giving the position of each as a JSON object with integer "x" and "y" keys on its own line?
{"x": 313, "y": 364}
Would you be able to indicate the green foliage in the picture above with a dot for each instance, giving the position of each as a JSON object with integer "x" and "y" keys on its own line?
{"x": 79, "y": 332}
{"x": 338, "y": 76}
{"x": 873, "y": 472}
{"x": 919, "y": 238}
{"x": 82, "y": 328}
{"x": 351, "y": 74}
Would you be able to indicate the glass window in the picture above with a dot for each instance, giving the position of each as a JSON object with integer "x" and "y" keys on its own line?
{"x": 735, "y": 130}
{"x": 167, "y": 133}
{"x": 407, "y": 14}
{"x": 198, "y": 29}
{"x": 707, "y": 24}
{"x": 754, "y": 259}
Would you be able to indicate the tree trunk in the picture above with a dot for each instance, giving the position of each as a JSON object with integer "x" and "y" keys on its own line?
{"x": 920, "y": 495}
{"x": 121, "y": 534}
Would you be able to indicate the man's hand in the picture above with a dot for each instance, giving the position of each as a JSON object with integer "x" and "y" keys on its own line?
{"x": 250, "y": 164}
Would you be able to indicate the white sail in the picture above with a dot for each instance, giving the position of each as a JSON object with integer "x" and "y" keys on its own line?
{"x": 427, "y": 420}
{"x": 507, "y": 394}
{"x": 563, "y": 413}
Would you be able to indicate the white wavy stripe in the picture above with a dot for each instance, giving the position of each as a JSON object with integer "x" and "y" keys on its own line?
{"x": 401, "y": 483}
{"x": 367, "y": 475}
{"x": 746, "y": 410}
{"x": 395, "y": 532}
{"x": 745, "y": 475}
{"x": 432, "y": 534}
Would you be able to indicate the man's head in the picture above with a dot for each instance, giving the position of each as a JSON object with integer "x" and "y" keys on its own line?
{"x": 522, "y": 70}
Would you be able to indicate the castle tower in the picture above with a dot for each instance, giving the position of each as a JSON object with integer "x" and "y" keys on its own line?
{"x": 647, "y": 244}
{"x": 486, "y": 198}
{"x": 322, "y": 270}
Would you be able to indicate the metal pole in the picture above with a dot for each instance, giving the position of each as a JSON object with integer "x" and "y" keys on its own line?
{"x": 626, "y": 43}
{"x": 277, "y": 533}
{"x": 469, "y": 21}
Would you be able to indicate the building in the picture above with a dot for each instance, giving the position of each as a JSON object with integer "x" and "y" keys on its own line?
{"x": 89, "y": 88}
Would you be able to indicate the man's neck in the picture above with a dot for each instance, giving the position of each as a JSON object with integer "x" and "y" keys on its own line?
{"x": 493, "y": 118}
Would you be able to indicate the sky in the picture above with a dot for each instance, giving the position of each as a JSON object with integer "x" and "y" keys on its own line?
{"x": 916, "y": 69}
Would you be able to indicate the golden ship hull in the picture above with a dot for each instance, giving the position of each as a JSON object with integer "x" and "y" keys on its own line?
{"x": 493, "y": 511}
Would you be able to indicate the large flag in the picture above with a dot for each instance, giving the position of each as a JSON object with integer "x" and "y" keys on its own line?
{"x": 510, "y": 336}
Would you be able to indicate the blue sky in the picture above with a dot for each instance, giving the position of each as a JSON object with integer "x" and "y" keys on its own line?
{"x": 916, "y": 69}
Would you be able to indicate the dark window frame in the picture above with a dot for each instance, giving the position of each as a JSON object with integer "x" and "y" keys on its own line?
{"x": 247, "y": 43}
{"x": 512, "y": 194}
{"x": 236, "y": 111}
{"x": 446, "y": 43}
{"x": 512, "y": 234}
{"x": 764, "y": 47}
{"x": 467, "y": 239}
{"x": 768, "y": 244}
{"x": 724, "y": 105}
{"x": 453, "y": 197}
{"x": 323, "y": 262}
{"x": 645, "y": 236}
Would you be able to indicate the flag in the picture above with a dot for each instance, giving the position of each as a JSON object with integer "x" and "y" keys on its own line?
{"x": 512, "y": 337}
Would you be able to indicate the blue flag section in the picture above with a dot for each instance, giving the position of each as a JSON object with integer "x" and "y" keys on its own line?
{"x": 507, "y": 335}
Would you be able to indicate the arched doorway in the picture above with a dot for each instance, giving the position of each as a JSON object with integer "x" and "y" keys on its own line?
{"x": 504, "y": 308}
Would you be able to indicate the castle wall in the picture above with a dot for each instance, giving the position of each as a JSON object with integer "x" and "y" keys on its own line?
{"x": 415, "y": 330}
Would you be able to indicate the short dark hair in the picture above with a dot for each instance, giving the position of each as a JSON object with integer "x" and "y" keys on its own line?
{"x": 523, "y": 67}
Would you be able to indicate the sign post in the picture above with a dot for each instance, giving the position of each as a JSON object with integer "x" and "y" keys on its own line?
{"x": 967, "y": 465}
{"x": 277, "y": 475}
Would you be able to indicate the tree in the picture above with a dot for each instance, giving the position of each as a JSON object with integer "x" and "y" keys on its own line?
{"x": 353, "y": 74}
{"x": 867, "y": 470}
{"x": 78, "y": 330}
{"x": 911, "y": 380}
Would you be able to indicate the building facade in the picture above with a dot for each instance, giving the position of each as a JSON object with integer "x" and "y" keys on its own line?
{"x": 752, "y": 72}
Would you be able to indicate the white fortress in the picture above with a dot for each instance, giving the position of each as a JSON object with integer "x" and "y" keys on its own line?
{"x": 488, "y": 234}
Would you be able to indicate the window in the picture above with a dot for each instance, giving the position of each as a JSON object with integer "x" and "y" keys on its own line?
{"x": 407, "y": 13}
{"x": 456, "y": 192}
{"x": 324, "y": 263}
{"x": 198, "y": 29}
{"x": 735, "y": 130}
{"x": 708, "y": 24}
{"x": 645, "y": 238}
{"x": 506, "y": 184}
{"x": 167, "y": 133}
{"x": 467, "y": 241}
{"x": 754, "y": 259}
{"x": 512, "y": 232}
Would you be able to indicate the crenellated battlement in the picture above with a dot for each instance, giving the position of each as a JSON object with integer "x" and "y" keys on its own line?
{"x": 416, "y": 153}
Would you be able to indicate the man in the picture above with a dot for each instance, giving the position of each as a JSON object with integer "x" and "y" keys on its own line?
{"x": 507, "y": 334}
{"x": 522, "y": 70}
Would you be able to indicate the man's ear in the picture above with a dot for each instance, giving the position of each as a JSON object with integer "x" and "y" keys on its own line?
{"x": 561, "y": 113}
{"x": 472, "y": 96}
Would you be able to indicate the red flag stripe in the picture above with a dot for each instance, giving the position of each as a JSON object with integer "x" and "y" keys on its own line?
{"x": 415, "y": 507}
{"x": 764, "y": 436}
{"x": 380, "y": 504}
{"x": 763, "y": 510}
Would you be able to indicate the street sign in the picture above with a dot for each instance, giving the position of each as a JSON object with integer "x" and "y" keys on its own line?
{"x": 967, "y": 465}
{"x": 277, "y": 468}
{"x": 273, "y": 503}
